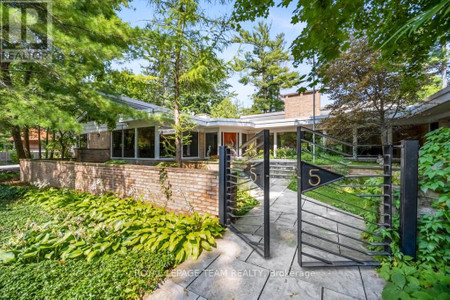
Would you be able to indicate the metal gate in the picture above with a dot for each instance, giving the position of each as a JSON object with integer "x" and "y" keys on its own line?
{"x": 344, "y": 216}
{"x": 240, "y": 171}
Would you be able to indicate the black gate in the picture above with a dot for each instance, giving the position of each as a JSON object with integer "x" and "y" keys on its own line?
{"x": 344, "y": 214}
{"x": 241, "y": 171}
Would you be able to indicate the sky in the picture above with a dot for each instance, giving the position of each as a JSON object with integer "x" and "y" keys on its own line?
{"x": 140, "y": 12}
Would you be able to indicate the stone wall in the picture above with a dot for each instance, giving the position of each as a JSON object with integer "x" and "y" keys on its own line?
{"x": 192, "y": 190}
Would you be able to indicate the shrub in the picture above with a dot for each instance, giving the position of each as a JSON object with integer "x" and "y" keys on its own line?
{"x": 116, "y": 162}
{"x": 90, "y": 227}
{"x": 114, "y": 277}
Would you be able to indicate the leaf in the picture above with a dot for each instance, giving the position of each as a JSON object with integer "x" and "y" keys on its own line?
{"x": 399, "y": 279}
{"x": 390, "y": 292}
{"x": 7, "y": 257}
{"x": 92, "y": 254}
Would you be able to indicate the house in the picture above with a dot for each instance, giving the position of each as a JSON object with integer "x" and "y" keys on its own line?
{"x": 148, "y": 142}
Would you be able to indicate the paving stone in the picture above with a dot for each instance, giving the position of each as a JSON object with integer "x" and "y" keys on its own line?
{"x": 186, "y": 272}
{"x": 281, "y": 255}
{"x": 282, "y": 287}
{"x": 346, "y": 280}
{"x": 172, "y": 291}
{"x": 332, "y": 295}
{"x": 373, "y": 284}
{"x": 229, "y": 278}
{"x": 233, "y": 246}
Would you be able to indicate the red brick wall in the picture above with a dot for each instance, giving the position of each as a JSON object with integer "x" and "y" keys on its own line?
{"x": 190, "y": 187}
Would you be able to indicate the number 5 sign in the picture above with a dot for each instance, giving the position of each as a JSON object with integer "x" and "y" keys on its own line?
{"x": 313, "y": 177}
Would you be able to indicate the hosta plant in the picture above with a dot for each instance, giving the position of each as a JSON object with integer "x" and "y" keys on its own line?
{"x": 90, "y": 227}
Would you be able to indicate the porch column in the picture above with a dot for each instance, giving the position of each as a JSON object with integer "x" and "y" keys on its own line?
{"x": 156, "y": 142}
{"x": 355, "y": 142}
{"x": 324, "y": 139}
{"x": 219, "y": 139}
{"x": 275, "y": 142}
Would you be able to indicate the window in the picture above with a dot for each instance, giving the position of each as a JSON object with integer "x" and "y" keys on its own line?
{"x": 167, "y": 142}
{"x": 146, "y": 142}
{"x": 211, "y": 144}
{"x": 191, "y": 150}
{"x": 83, "y": 141}
{"x": 117, "y": 143}
{"x": 128, "y": 143}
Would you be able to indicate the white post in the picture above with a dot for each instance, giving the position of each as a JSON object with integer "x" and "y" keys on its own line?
{"x": 157, "y": 142}
{"x": 275, "y": 142}
{"x": 324, "y": 139}
{"x": 219, "y": 139}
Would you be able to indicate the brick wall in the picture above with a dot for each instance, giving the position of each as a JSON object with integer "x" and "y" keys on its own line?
{"x": 100, "y": 140}
{"x": 300, "y": 105}
{"x": 92, "y": 155}
{"x": 193, "y": 188}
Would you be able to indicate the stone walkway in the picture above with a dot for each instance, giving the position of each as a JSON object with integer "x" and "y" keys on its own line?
{"x": 234, "y": 270}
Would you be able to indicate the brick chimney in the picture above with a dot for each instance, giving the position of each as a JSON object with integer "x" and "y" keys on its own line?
{"x": 300, "y": 105}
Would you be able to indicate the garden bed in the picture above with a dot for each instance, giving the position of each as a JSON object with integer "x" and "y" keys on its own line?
{"x": 60, "y": 244}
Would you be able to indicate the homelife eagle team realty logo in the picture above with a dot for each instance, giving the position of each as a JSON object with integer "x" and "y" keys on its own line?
{"x": 26, "y": 28}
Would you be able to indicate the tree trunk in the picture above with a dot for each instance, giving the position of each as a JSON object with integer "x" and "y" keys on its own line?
{"x": 46, "y": 143}
{"x": 15, "y": 133}
{"x": 39, "y": 142}
{"x": 52, "y": 152}
{"x": 61, "y": 142}
{"x": 444, "y": 66}
{"x": 26, "y": 141}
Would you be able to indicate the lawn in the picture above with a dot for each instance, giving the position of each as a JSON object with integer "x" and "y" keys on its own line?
{"x": 340, "y": 197}
{"x": 60, "y": 244}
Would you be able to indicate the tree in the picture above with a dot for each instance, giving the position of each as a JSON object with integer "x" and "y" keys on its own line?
{"x": 126, "y": 83}
{"x": 225, "y": 109}
{"x": 330, "y": 25}
{"x": 87, "y": 36}
{"x": 366, "y": 92}
{"x": 264, "y": 68}
{"x": 199, "y": 102}
{"x": 183, "y": 58}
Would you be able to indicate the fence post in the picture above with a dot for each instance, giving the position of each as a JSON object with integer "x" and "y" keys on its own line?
{"x": 222, "y": 184}
{"x": 408, "y": 196}
{"x": 387, "y": 191}
{"x": 266, "y": 182}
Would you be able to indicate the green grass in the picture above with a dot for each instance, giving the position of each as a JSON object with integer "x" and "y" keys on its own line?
{"x": 343, "y": 198}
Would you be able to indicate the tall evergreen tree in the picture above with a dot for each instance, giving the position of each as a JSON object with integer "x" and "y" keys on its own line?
{"x": 265, "y": 67}
{"x": 182, "y": 58}
{"x": 87, "y": 36}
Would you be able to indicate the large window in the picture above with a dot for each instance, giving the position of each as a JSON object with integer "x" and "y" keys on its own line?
{"x": 117, "y": 143}
{"x": 128, "y": 143}
{"x": 191, "y": 150}
{"x": 83, "y": 141}
{"x": 167, "y": 142}
{"x": 211, "y": 144}
{"x": 146, "y": 142}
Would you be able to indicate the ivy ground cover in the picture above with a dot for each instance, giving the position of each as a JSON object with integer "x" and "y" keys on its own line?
{"x": 64, "y": 244}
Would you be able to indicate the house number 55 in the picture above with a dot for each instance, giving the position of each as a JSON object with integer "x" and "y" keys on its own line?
{"x": 311, "y": 174}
